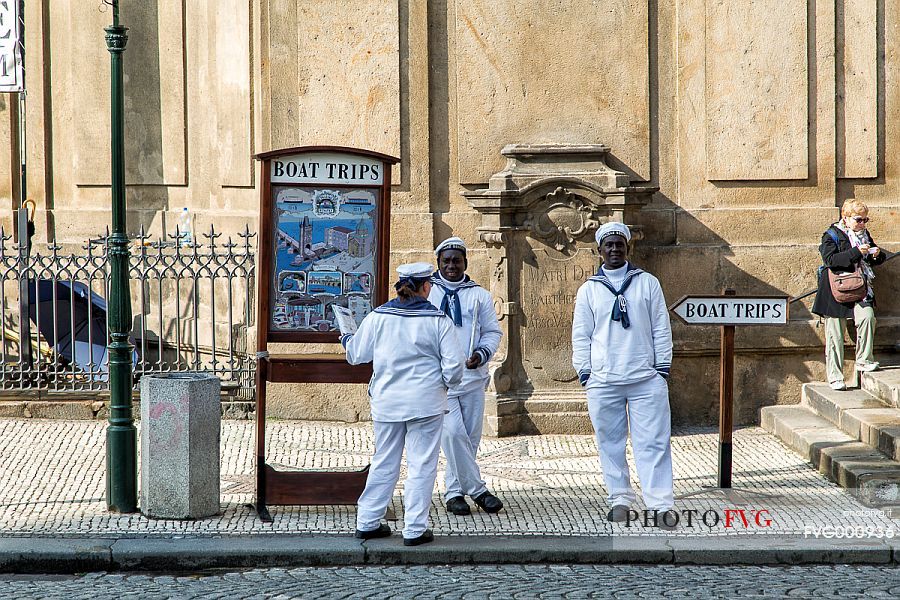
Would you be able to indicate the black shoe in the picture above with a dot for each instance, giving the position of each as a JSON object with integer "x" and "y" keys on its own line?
{"x": 422, "y": 539}
{"x": 382, "y": 531}
{"x": 617, "y": 513}
{"x": 458, "y": 506}
{"x": 489, "y": 503}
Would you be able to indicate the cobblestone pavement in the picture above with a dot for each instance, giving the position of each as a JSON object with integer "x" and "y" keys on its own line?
{"x": 52, "y": 484}
{"x": 538, "y": 581}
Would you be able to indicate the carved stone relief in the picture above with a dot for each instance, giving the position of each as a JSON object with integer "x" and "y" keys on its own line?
{"x": 567, "y": 217}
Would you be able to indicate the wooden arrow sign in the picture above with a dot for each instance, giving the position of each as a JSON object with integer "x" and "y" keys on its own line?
{"x": 729, "y": 310}
{"x": 732, "y": 310}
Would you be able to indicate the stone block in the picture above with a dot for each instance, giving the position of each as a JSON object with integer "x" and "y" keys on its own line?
{"x": 180, "y": 432}
{"x": 12, "y": 409}
{"x": 809, "y": 443}
{"x": 755, "y": 63}
{"x": 831, "y": 404}
{"x": 884, "y": 384}
{"x": 311, "y": 52}
{"x": 71, "y": 410}
{"x": 316, "y": 402}
{"x": 155, "y": 108}
{"x": 857, "y": 89}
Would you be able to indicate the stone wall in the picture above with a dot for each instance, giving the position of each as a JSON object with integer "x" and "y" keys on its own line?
{"x": 754, "y": 120}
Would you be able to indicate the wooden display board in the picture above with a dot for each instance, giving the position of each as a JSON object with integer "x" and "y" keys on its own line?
{"x": 324, "y": 239}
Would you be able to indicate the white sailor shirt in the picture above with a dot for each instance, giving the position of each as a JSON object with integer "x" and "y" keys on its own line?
{"x": 487, "y": 333}
{"x": 415, "y": 358}
{"x": 605, "y": 352}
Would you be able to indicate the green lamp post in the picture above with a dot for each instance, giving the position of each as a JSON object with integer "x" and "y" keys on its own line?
{"x": 121, "y": 435}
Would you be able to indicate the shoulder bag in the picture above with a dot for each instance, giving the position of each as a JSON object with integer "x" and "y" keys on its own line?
{"x": 847, "y": 287}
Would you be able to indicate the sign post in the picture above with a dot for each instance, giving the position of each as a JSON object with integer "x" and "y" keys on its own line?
{"x": 726, "y": 401}
{"x": 728, "y": 311}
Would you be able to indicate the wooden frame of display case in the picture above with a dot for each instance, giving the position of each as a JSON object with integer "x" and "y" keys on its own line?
{"x": 274, "y": 487}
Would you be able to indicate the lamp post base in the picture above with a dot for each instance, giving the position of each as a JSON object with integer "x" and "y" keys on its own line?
{"x": 121, "y": 468}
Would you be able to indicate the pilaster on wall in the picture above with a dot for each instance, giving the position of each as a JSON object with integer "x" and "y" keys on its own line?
{"x": 331, "y": 80}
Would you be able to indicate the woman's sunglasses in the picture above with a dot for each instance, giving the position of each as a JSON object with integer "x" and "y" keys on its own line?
{"x": 861, "y": 219}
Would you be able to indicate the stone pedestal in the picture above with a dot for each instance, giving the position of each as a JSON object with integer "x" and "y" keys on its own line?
{"x": 180, "y": 432}
{"x": 538, "y": 218}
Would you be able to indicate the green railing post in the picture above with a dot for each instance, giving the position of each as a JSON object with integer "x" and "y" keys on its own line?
{"x": 121, "y": 435}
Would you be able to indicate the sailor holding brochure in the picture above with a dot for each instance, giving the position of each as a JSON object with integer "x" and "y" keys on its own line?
{"x": 471, "y": 311}
{"x": 415, "y": 358}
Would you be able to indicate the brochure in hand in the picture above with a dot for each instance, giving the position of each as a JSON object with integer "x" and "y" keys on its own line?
{"x": 345, "y": 321}
{"x": 474, "y": 330}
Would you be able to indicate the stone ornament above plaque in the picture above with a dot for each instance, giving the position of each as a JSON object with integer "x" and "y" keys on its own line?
{"x": 566, "y": 218}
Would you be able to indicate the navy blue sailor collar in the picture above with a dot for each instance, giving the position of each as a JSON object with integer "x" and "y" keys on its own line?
{"x": 415, "y": 307}
{"x": 631, "y": 271}
{"x": 465, "y": 283}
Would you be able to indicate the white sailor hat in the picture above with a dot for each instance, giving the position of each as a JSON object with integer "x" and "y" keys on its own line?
{"x": 451, "y": 243}
{"x": 418, "y": 270}
{"x": 613, "y": 228}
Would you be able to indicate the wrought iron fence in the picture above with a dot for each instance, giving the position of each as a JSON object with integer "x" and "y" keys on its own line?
{"x": 192, "y": 302}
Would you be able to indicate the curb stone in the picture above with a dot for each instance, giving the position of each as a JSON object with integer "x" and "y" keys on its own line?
{"x": 54, "y": 555}
{"x": 781, "y": 550}
{"x": 79, "y": 555}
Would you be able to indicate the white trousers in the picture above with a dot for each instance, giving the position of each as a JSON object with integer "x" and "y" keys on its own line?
{"x": 422, "y": 439}
{"x": 460, "y": 440}
{"x": 642, "y": 407}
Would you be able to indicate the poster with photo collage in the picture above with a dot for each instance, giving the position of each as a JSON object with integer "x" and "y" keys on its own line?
{"x": 325, "y": 245}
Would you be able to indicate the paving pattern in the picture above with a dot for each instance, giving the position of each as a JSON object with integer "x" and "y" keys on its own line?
{"x": 52, "y": 484}
{"x": 538, "y": 581}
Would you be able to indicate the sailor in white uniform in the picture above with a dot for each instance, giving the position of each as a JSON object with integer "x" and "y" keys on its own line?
{"x": 415, "y": 359}
{"x": 622, "y": 351}
{"x": 465, "y": 302}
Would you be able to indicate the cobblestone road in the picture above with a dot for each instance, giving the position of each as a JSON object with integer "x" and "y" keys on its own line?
{"x": 539, "y": 581}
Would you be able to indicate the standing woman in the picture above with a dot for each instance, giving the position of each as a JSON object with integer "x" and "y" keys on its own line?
{"x": 416, "y": 359}
{"x": 845, "y": 246}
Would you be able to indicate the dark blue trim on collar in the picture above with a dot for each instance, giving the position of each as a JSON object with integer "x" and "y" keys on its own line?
{"x": 466, "y": 282}
{"x": 416, "y": 307}
{"x": 630, "y": 272}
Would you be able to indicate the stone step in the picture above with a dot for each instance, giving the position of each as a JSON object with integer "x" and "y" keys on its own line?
{"x": 872, "y": 477}
{"x": 556, "y": 406}
{"x": 555, "y": 423}
{"x": 883, "y": 384}
{"x": 858, "y": 414}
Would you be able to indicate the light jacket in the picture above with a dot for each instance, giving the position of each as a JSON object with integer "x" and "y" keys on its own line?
{"x": 603, "y": 351}
{"x": 487, "y": 332}
{"x": 415, "y": 359}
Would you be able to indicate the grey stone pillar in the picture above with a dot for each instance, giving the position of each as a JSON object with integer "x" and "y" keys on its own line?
{"x": 180, "y": 432}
